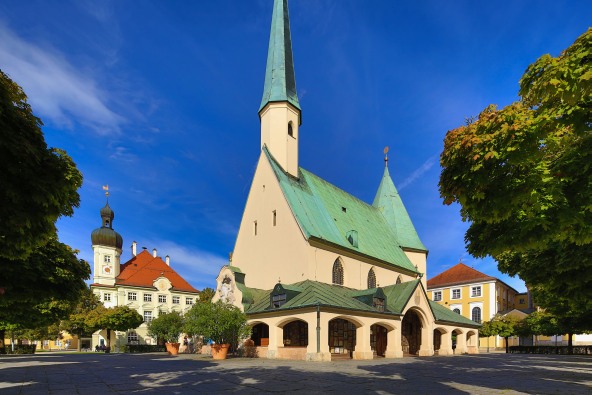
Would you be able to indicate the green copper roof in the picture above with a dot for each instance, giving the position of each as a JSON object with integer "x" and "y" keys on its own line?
{"x": 328, "y": 213}
{"x": 446, "y": 315}
{"x": 280, "y": 81}
{"x": 389, "y": 202}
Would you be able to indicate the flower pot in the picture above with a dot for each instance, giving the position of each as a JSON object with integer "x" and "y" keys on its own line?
{"x": 220, "y": 351}
{"x": 172, "y": 348}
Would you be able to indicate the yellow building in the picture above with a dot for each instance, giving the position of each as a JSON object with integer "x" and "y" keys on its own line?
{"x": 320, "y": 273}
{"x": 477, "y": 296}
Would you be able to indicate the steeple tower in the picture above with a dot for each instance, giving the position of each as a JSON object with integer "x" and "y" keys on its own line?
{"x": 280, "y": 112}
{"x": 106, "y": 245}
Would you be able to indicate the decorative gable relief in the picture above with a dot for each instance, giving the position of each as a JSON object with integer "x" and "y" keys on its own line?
{"x": 162, "y": 284}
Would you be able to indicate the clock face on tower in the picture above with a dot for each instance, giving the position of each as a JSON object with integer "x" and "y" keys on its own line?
{"x": 107, "y": 269}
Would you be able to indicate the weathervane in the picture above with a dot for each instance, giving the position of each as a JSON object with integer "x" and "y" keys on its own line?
{"x": 106, "y": 189}
{"x": 386, "y": 150}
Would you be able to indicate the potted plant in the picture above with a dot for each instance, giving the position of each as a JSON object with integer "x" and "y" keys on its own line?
{"x": 222, "y": 323}
{"x": 168, "y": 326}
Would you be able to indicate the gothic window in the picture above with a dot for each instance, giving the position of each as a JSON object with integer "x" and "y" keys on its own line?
{"x": 290, "y": 129}
{"x": 337, "y": 272}
{"x": 274, "y": 218}
{"x": 371, "y": 279}
{"x": 476, "y": 314}
{"x": 399, "y": 280}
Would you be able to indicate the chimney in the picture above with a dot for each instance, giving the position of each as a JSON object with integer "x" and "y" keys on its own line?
{"x": 154, "y": 252}
{"x": 134, "y": 244}
{"x": 167, "y": 259}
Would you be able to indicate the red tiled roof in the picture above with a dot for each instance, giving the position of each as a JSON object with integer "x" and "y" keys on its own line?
{"x": 143, "y": 269}
{"x": 458, "y": 274}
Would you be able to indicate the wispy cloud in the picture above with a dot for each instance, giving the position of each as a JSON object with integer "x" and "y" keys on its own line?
{"x": 58, "y": 91}
{"x": 425, "y": 167}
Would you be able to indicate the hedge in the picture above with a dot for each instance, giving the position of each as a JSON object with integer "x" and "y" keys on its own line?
{"x": 20, "y": 349}
{"x": 142, "y": 348}
{"x": 563, "y": 350}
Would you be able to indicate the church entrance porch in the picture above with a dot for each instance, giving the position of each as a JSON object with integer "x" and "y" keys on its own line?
{"x": 411, "y": 333}
{"x": 342, "y": 338}
{"x": 378, "y": 339}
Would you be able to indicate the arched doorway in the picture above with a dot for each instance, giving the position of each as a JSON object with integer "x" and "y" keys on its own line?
{"x": 437, "y": 341}
{"x": 472, "y": 343}
{"x": 260, "y": 335}
{"x": 411, "y": 333}
{"x": 342, "y": 337}
{"x": 378, "y": 336}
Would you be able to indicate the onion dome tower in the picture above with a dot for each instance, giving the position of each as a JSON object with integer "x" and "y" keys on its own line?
{"x": 106, "y": 244}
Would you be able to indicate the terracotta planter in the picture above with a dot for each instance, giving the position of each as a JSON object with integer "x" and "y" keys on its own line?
{"x": 220, "y": 351}
{"x": 172, "y": 348}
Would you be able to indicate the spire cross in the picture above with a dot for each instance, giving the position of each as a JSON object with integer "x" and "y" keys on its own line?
{"x": 386, "y": 150}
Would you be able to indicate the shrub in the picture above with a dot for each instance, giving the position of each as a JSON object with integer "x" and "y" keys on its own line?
{"x": 143, "y": 348}
{"x": 21, "y": 349}
{"x": 167, "y": 326}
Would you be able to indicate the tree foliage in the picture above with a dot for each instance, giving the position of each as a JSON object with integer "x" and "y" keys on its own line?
{"x": 39, "y": 184}
{"x": 120, "y": 318}
{"x": 77, "y": 322}
{"x": 167, "y": 326}
{"x": 523, "y": 176}
{"x": 220, "y": 322}
{"x": 206, "y": 295}
{"x": 503, "y": 326}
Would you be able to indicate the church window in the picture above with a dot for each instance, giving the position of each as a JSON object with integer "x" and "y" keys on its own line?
{"x": 107, "y": 258}
{"x": 132, "y": 338}
{"x": 378, "y": 304}
{"x": 476, "y": 291}
{"x": 188, "y": 301}
{"x": 457, "y": 311}
{"x": 476, "y": 314}
{"x": 107, "y": 297}
{"x": 274, "y": 218}
{"x": 371, "y": 279}
{"x": 437, "y": 296}
{"x": 399, "y": 280}
{"x": 132, "y": 296}
{"x": 148, "y": 316}
{"x": 255, "y": 228}
{"x": 162, "y": 298}
{"x": 176, "y": 299}
{"x": 147, "y": 297}
{"x": 290, "y": 129}
{"x": 456, "y": 293}
{"x": 337, "y": 272}
{"x": 278, "y": 300}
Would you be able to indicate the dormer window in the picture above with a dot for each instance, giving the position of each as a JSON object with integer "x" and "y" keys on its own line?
{"x": 378, "y": 303}
{"x": 290, "y": 129}
{"x": 278, "y": 300}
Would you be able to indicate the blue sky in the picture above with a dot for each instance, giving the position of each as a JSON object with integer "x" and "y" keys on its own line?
{"x": 159, "y": 100}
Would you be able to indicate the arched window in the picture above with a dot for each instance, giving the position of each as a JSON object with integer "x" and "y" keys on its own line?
{"x": 337, "y": 272}
{"x": 476, "y": 314}
{"x": 371, "y": 279}
{"x": 399, "y": 280}
{"x": 457, "y": 311}
{"x": 290, "y": 129}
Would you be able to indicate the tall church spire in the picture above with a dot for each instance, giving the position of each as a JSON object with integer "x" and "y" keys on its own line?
{"x": 280, "y": 111}
{"x": 280, "y": 81}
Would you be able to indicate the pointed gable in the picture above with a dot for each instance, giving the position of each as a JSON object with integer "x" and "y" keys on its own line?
{"x": 143, "y": 269}
{"x": 280, "y": 80}
{"x": 389, "y": 202}
{"x": 458, "y": 274}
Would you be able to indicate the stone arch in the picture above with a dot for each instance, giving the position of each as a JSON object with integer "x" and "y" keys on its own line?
{"x": 295, "y": 333}
{"x": 472, "y": 341}
{"x": 413, "y": 324}
{"x": 338, "y": 272}
{"x": 459, "y": 344}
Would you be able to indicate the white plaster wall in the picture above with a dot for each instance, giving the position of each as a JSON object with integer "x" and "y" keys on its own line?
{"x": 419, "y": 259}
{"x": 274, "y": 134}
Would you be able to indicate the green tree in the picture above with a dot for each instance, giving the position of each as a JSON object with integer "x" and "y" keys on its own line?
{"x": 77, "y": 323}
{"x": 487, "y": 330}
{"x": 220, "y": 322}
{"x": 503, "y": 326}
{"x": 206, "y": 295}
{"x": 39, "y": 184}
{"x": 120, "y": 318}
{"x": 41, "y": 289}
{"x": 523, "y": 176}
{"x": 167, "y": 326}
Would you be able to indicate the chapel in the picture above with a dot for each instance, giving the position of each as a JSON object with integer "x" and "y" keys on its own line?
{"x": 321, "y": 274}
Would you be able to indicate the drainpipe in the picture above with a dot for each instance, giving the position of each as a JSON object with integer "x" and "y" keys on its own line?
{"x": 318, "y": 328}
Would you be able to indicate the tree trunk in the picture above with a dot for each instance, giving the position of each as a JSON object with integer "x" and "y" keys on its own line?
{"x": 570, "y": 343}
{"x": 507, "y": 345}
{"x": 109, "y": 339}
{"x": 2, "y": 345}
